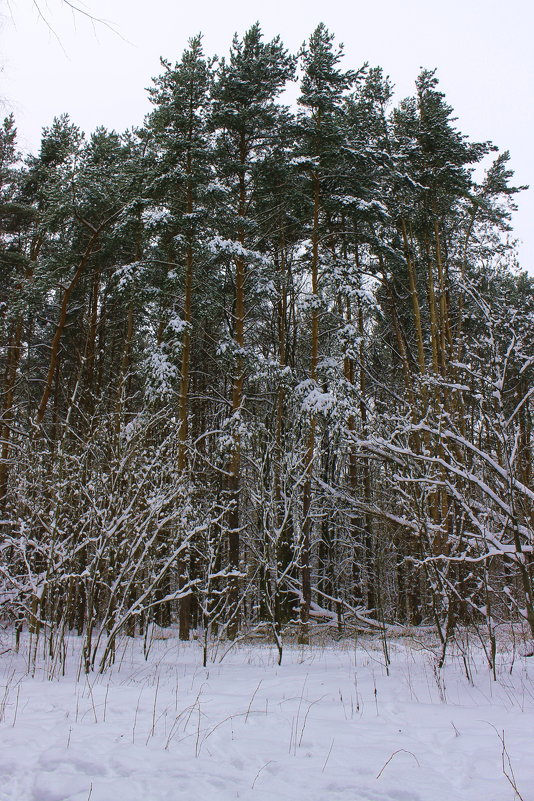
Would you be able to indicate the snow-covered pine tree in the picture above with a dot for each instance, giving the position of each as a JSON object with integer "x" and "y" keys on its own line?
{"x": 244, "y": 116}
{"x": 321, "y": 139}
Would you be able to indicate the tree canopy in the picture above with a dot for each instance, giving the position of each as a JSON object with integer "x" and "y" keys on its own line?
{"x": 264, "y": 367}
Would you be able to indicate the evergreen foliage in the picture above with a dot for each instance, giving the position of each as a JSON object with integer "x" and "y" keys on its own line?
{"x": 263, "y": 368}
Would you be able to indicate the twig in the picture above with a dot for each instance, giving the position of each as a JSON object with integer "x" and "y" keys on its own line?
{"x": 92, "y": 698}
{"x": 306, "y": 717}
{"x": 252, "y": 699}
{"x": 391, "y": 757}
{"x": 507, "y": 763}
{"x": 328, "y": 755}
{"x": 135, "y": 716}
{"x": 16, "y": 706}
{"x": 258, "y": 773}
{"x": 151, "y": 732}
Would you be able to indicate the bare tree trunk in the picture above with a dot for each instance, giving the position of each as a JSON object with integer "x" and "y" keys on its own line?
{"x": 238, "y": 379}
{"x": 60, "y": 326}
{"x": 305, "y": 551}
{"x": 14, "y": 356}
{"x": 416, "y": 306}
{"x": 13, "y": 359}
{"x": 183, "y": 414}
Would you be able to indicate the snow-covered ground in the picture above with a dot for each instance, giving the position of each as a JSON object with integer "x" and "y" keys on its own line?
{"x": 327, "y": 725}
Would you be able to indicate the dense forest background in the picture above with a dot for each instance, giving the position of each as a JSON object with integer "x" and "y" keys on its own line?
{"x": 263, "y": 368}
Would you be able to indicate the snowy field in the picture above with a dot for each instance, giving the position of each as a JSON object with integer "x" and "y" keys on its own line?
{"x": 327, "y": 725}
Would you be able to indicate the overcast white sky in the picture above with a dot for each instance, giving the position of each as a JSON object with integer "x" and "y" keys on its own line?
{"x": 483, "y": 50}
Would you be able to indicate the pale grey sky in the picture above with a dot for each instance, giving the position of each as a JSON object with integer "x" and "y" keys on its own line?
{"x": 482, "y": 49}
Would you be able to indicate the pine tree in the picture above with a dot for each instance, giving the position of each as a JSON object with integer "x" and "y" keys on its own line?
{"x": 321, "y": 137}
{"x": 244, "y": 114}
{"x": 179, "y": 136}
{"x": 17, "y": 217}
